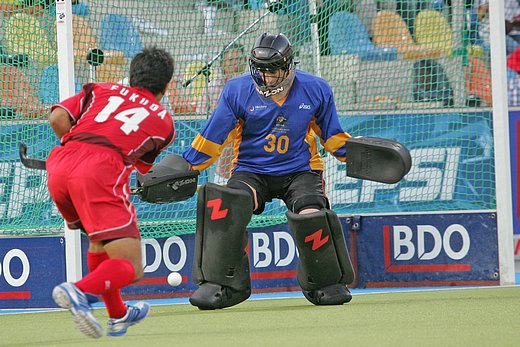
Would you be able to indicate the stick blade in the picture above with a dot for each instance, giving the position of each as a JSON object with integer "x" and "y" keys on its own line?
{"x": 30, "y": 162}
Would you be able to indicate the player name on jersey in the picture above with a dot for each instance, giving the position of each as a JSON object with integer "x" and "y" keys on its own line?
{"x": 138, "y": 98}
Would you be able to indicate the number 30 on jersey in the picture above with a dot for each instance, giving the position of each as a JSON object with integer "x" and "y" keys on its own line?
{"x": 280, "y": 143}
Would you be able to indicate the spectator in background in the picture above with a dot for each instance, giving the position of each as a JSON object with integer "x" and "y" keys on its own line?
{"x": 233, "y": 64}
{"x": 513, "y": 78}
{"x": 324, "y": 10}
{"x": 209, "y": 10}
{"x": 407, "y": 10}
{"x": 512, "y": 24}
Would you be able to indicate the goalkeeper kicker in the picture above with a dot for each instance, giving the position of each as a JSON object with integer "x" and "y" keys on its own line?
{"x": 273, "y": 117}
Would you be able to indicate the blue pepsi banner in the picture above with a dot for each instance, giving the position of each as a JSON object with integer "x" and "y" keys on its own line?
{"x": 453, "y": 169}
{"x": 25, "y": 204}
{"x": 427, "y": 249}
{"x": 452, "y": 164}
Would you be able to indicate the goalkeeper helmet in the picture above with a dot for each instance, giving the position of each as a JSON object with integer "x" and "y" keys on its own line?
{"x": 272, "y": 64}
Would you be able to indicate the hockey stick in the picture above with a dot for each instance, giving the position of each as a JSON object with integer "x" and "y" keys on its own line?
{"x": 30, "y": 163}
{"x": 95, "y": 57}
{"x": 40, "y": 164}
{"x": 273, "y": 6}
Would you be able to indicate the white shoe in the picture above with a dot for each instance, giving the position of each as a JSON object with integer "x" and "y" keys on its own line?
{"x": 68, "y": 296}
{"x": 134, "y": 314}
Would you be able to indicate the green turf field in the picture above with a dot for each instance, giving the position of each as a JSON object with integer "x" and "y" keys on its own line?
{"x": 458, "y": 317}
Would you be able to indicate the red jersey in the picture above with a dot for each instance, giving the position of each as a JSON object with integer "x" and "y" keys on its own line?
{"x": 127, "y": 119}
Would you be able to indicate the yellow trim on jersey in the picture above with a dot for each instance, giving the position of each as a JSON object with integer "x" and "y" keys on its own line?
{"x": 237, "y": 136}
{"x": 316, "y": 163}
{"x": 316, "y": 128}
{"x": 205, "y": 146}
{"x": 213, "y": 149}
{"x": 334, "y": 143}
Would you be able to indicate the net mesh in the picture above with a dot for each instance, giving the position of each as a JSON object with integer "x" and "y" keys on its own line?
{"x": 416, "y": 72}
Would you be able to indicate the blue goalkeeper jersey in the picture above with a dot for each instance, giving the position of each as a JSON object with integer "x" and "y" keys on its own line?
{"x": 268, "y": 137}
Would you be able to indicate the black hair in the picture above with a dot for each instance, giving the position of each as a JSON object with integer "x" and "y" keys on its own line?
{"x": 151, "y": 69}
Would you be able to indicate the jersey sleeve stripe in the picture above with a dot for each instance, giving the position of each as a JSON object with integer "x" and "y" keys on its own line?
{"x": 206, "y": 146}
{"x": 336, "y": 142}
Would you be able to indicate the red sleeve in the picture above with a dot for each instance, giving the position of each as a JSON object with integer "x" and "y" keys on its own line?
{"x": 142, "y": 167}
{"x": 145, "y": 162}
{"x": 75, "y": 104}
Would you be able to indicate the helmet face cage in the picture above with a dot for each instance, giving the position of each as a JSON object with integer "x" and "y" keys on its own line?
{"x": 271, "y": 53}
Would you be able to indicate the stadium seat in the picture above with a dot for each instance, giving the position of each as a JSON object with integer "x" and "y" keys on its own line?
{"x": 113, "y": 67}
{"x": 433, "y": 29}
{"x": 118, "y": 33}
{"x": 24, "y": 34}
{"x": 431, "y": 83}
{"x": 390, "y": 30}
{"x": 179, "y": 104}
{"x": 84, "y": 41}
{"x": 342, "y": 73}
{"x": 16, "y": 93}
{"x": 347, "y": 35}
{"x": 111, "y": 73}
{"x": 197, "y": 86}
{"x": 49, "y": 85}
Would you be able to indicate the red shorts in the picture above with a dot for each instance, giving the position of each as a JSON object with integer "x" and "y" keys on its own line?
{"x": 89, "y": 185}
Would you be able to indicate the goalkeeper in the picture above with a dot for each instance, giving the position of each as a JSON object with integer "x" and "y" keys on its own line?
{"x": 106, "y": 131}
{"x": 272, "y": 116}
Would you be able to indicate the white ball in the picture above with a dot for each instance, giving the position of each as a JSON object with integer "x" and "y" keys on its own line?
{"x": 174, "y": 279}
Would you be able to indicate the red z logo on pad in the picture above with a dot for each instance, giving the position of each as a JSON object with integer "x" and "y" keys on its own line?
{"x": 216, "y": 212}
{"x": 316, "y": 239}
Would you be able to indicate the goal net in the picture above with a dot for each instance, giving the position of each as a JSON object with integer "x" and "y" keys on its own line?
{"x": 419, "y": 75}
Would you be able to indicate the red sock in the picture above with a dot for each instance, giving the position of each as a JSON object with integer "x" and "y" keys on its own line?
{"x": 112, "y": 274}
{"x": 95, "y": 258}
{"x": 113, "y": 301}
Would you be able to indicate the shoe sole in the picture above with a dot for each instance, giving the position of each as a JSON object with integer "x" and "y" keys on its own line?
{"x": 84, "y": 323}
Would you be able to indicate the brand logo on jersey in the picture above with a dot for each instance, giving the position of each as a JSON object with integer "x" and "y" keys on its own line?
{"x": 253, "y": 108}
{"x": 280, "y": 124}
{"x": 304, "y": 106}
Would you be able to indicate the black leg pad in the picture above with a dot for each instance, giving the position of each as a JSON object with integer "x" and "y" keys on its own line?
{"x": 324, "y": 266}
{"x": 221, "y": 264}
